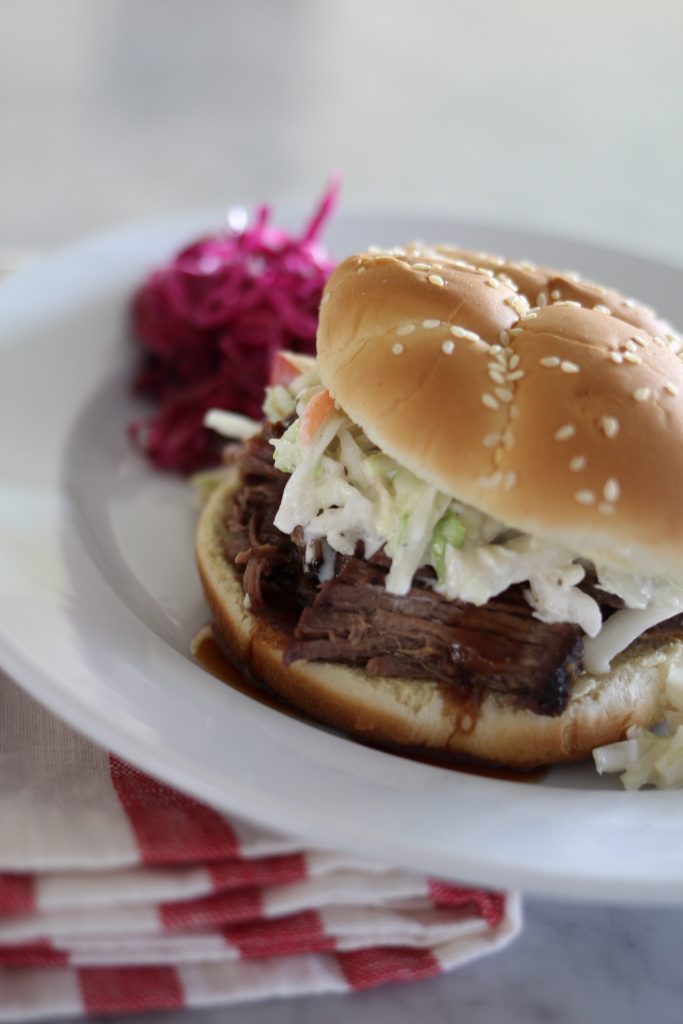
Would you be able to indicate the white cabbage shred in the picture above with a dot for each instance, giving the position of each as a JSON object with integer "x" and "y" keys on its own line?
{"x": 646, "y": 758}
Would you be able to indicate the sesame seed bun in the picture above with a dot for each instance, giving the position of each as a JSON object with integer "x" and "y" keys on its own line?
{"x": 423, "y": 714}
{"x": 557, "y": 410}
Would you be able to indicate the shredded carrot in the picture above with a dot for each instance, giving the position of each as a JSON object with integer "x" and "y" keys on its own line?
{"x": 314, "y": 415}
{"x": 283, "y": 370}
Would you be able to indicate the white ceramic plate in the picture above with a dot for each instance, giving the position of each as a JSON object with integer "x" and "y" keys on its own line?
{"x": 100, "y": 600}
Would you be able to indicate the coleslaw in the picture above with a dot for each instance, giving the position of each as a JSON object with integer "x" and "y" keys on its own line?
{"x": 342, "y": 488}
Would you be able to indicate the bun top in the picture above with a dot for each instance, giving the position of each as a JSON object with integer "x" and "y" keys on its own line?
{"x": 552, "y": 404}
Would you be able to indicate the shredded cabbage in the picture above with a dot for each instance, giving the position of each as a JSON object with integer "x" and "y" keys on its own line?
{"x": 646, "y": 758}
{"x": 448, "y": 532}
{"x": 211, "y": 321}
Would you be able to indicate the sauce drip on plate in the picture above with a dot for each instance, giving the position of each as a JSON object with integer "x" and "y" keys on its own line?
{"x": 212, "y": 658}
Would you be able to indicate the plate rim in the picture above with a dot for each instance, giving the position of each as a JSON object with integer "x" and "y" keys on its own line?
{"x": 178, "y": 773}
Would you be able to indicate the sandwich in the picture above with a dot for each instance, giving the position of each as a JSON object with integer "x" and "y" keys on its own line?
{"x": 460, "y": 528}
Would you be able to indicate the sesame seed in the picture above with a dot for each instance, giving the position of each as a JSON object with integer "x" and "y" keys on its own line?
{"x": 578, "y": 463}
{"x": 405, "y": 329}
{"x": 616, "y": 357}
{"x": 509, "y": 480}
{"x": 526, "y": 265}
{"x": 550, "y": 361}
{"x": 565, "y": 432}
{"x": 519, "y": 304}
{"x": 490, "y": 401}
{"x": 504, "y": 338}
{"x": 641, "y": 394}
{"x": 517, "y": 375}
{"x": 514, "y": 331}
{"x": 430, "y": 324}
{"x": 491, "y": 440}
{"x": 436, "y": 279}
{"x": 528, "y": 316}
{"x": 397, "y": 348}
{"x": 375, "y": 250}
{"x": 555, "y": 294}
{"x": 569, "y": 302}
{"x": 630, "y": 345}
{"x": 585, "y": 497}
{"x": 490, "y": 481}
{"x": 611, "y": 491}
{"x": 631, "y": 303}
{"x": 514, "y": 361}
{"x": 504, "y": 394}
{"x": 568, "y": 367}
{"x": 605, "y": 509}
{"x": 491, "y": 282}
{"x": 600, "y": 308}
{"x": 640, "y": 341}
{"x": 422, "y": 266}
{"x": 464, "y": 264}
{"x": 361, "y": 270}
{"x": 671, "y": 388}
{"x": 496, "y": 376}
{"x": 497, "y": 351}
{"x": 448, "y": 347}
{"x": 484, "y": 271}
{"x": 470, "y": 335}
{"x": 610, "y": 426}
{"x": 541, "y": 299}
{"x": 629, "y": 357}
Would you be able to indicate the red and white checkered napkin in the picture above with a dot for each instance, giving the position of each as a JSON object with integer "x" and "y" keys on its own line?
{"x": 119, "y": 894}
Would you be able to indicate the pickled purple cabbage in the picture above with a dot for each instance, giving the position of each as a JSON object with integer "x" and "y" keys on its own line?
{"x": 211, "y": 321}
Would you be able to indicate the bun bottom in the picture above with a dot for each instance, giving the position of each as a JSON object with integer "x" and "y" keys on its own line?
{"x": 422, "y": 714}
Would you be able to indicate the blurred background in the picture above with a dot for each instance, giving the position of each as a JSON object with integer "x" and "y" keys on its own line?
{"x": 563, "y": 117}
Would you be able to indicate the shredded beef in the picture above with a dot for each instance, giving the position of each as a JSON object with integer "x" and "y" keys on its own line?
{"x": 608, "y": 602}
{"x": 353, "y": 619}
{"x": 273, "y": 568}
{"x": 670, "y": 629}
{"x": 498, "y": 647}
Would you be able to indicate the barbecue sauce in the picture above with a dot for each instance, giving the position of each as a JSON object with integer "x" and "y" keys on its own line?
{"x": 213, "y": 660}
{"x": 218, "y": 664}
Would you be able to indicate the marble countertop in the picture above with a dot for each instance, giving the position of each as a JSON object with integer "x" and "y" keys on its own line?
{"x": 562, "y": 118}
